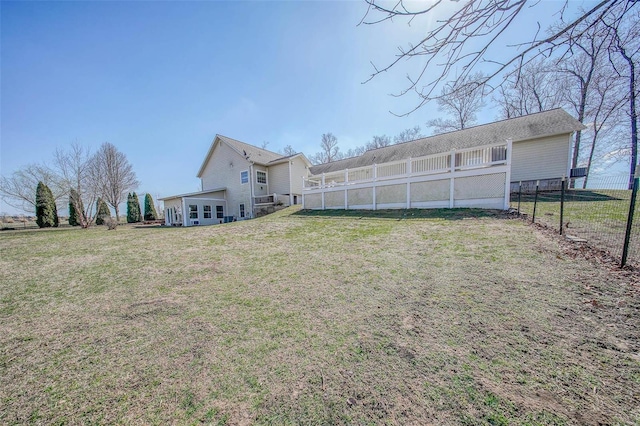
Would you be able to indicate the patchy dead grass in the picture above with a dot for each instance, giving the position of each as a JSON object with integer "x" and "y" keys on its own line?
{"x": 388, "y": 318}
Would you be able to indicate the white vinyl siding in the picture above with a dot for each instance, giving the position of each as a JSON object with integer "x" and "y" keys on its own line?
{"x": 279, "y": 178}
{"x": 260, "y": 189}
{"x": 544, "y": 158}
{"x": 298, "y": 171}
{"x": 223, "y": 170}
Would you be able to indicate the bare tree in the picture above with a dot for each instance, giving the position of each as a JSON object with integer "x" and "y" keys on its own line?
{"x": 462, "y": 35}
{"x": 604, "y": 114}
{"x": 626, "y": 43}
{"x": 461, "y": 100}
{"x": 19, "y": 189}
{"x": 354, "y": 152}
{"x": 329, "y": 150}
{"x": 530, "y": 89}
{"x": 408, "y": 135}
{"x": 378, "y": 142}
{"x": 288, "y": 151}
{"x": 74, "y": 168}
{"x": 580, "y": 71}
{"x": 115, "y": 175}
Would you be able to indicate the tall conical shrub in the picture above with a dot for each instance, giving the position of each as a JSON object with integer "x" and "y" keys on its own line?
{"x": 136, "y": 203}
{"x": 149, "y": 210}
{"x": 73, "y": 216}
{"x": 103, "y": 212}
{"x": 46, "y": 211}
{"x": 75, "y": 208}
{"x": 133, "y": 208}
{"x": 130, "y": 209}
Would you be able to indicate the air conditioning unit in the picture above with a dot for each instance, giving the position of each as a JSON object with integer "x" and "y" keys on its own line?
{"x": 578, "y": 172}
{"x": 195, "y": 222}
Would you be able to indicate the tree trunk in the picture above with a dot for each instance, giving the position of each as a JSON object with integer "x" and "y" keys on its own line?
{"x": 576, "y": 147}
{"x": 634, "y": 115}
{"x": 593, "y": 146}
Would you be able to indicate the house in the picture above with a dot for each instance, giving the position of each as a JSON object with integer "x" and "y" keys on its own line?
{"x": 542, "y": 145}
{"x": 239, "y": 181}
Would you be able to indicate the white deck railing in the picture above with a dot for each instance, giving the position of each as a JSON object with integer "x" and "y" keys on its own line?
{"x": 466, "y": 159}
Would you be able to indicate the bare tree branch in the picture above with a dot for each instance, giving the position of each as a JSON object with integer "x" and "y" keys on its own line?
{"x": 462, "y": 39}
{"x": 461, "y": 100}
{"x": 19, "y": 189}
{"x": 114, "y": 174}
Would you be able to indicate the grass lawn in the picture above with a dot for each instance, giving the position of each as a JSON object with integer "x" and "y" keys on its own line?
{"x": 454, "y": 317}
{"x": 600, "y": 216}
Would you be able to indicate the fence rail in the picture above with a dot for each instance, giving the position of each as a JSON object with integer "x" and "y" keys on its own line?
{"x": 599, "y": 214}
{"x": 466, "y": 159}
{"x": 474, "y": 177}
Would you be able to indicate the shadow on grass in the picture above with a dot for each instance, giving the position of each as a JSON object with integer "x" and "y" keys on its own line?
{"x": 574, "y": 195}
{"x": 399, "y": 214}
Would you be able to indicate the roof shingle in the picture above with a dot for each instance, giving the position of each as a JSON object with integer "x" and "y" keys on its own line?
{"x": 533, "y": 126}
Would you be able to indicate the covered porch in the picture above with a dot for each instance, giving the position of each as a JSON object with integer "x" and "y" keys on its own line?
{"x": 197, "y": 208}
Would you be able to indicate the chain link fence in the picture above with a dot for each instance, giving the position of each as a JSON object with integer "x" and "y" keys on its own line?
{"x": 598, "y": 214}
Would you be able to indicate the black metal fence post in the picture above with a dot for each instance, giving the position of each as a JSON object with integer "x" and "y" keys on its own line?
{"x": 519, "y": 196}
{"x": 535, "y": 202}
{"x": 632, "y": 207}
{"x": 562, "y": 202}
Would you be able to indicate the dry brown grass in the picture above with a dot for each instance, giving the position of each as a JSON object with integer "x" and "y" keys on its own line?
{"x": 298, "y": 318}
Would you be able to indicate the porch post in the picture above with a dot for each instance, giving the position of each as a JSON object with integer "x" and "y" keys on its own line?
{"x": 322, "y": 192}
{"x": 507, "y": 177}
{"x": 373, "y": 187}
{"x": 452, "y": 180}
{"x": 346, "y": 180}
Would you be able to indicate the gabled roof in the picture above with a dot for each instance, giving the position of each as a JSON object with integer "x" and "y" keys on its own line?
{"x": 290, "y": 157}
{"x": 251, "y": 153}
{"x": 547, "y": 123}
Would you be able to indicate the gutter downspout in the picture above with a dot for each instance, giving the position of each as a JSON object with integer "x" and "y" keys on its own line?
{"x": 251, "y": 189}
{"x": 290, "y": 185}
{"x": 569, "y": 162}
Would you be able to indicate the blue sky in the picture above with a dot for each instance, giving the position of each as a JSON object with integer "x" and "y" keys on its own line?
{"x": 160, "y": 79}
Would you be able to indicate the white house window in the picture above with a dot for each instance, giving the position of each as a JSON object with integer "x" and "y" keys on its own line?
{"x": 219, "y": 212}
{"x": 244, "y": 176}
{"x": 193, "y": 211}
{"x": 261, "y": 177}
{"x": 242, "y": 210}
{"x": 207, "y": 212}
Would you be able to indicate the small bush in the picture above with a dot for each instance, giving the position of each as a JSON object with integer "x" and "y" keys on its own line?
{"x": 103, "y": 212}
{"x": 111, "y": 223}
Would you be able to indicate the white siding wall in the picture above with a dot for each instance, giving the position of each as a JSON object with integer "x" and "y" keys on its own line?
{"x": 298, "y": 171}
{"x": 200, "y": 203}
{"x": 261, "y": 188}
{"x": 223, "y": 171}
{"x": 279, "y": 178}
{"x": 543, "y": 158}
